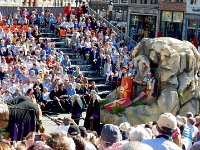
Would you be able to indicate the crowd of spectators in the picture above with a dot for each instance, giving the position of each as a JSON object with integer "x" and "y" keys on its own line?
{"x": 168, "y": 133}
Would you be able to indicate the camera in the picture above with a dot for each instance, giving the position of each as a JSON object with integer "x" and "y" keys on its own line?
{"x": 37, "y": 137}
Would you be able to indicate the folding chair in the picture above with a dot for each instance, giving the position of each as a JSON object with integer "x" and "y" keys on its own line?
{"x": 25, "y": 28}
{"x": 12, "y": 28}
{"x": 18, "y": 27}
{"x": 5, "y": 28}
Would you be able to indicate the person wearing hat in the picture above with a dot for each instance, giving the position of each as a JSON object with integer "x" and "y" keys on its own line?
{"x": 123, "y": 127}
{"x": 40, "y": 76}
{"x": 92, "y": 120}
{"x": 73, "y": 131}
{"x": 151, "y": 88}
{"x": 39, "y": 96}
{"x": 166, "y": 126}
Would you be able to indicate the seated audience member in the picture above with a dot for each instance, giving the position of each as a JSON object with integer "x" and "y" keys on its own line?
{"x": 150, "y": 91}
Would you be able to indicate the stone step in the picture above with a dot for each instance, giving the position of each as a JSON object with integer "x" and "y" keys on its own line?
{"x": 53, "y": 39}
{"x": 47, "y": 34}
{"x": 102, "y": 87}
{"x": 81, "y": 66}
{"x": 88, "y": 73}
{"x": 64, "y": 50}
{"x": 103, "y": 94}
{"x": 96, "y": 79}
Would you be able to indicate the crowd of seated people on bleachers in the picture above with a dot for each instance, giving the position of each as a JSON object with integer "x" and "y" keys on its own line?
{"x": 35, "y": 66}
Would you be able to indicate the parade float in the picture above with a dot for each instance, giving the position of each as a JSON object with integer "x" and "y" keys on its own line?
{"x": 176, "y": 66}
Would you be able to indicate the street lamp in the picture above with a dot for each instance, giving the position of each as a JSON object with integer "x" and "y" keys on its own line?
{"x": 110, "y": 8}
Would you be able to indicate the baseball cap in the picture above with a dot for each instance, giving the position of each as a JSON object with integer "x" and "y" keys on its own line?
{"x": 73, "y": 130}
{"x": 124, "y": 126}
{"x": 167, "y": 123}
{"x": 110, "y": 134}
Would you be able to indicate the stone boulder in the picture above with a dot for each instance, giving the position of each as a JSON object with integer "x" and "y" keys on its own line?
{"x": 177, "y": 66}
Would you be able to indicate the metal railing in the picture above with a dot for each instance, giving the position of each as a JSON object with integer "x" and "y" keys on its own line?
{"x": 123, "y": 36}
{"x": 6, "y": 10}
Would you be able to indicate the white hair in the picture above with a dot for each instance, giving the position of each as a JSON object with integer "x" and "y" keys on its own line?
{"x": 139, "y": 134}
{"x": 70, "y": 143}
{"x": 134, "y": 145}
{"x": 3, "y": 108}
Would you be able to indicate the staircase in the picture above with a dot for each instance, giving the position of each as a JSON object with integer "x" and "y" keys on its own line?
{"x": 85, "y": 68}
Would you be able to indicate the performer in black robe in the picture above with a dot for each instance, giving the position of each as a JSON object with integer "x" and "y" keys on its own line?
{"x": 77, "y": 108}
{"x": 92, "y": 120}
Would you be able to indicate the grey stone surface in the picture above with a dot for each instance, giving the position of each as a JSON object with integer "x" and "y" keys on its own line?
{"x": 178, "y": 63}
{"x": 51, "y": 127}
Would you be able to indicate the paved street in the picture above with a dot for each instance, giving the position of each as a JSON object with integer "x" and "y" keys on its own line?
{"x": 51, "y": 127}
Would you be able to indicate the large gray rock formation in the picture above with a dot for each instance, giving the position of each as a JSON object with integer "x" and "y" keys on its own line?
{"x": 177, "y": 66}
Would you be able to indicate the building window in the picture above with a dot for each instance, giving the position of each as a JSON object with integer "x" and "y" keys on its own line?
{"x": 116, "y": 1}
{"x": 143, "y": 1}
{"x": 134, "y": 1}
{"x": 177, "y": 17}
{"x": 167, "y": 16}
{"x": 124, "y": 1}
{"x": 193, "y": 2}
{"x": 154, "y": 1}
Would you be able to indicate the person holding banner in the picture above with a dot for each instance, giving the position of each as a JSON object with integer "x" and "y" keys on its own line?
{"x": 151, "y": 88}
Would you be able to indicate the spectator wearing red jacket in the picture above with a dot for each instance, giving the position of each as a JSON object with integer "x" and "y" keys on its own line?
{"x": 67, "y": 11}
{"x": 79, "y": 12}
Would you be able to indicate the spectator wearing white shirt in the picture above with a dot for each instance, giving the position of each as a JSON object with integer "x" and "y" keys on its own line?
{"x": 45, "y": 95}
{"x": 12, "y": 87}
{"x": 108, "y": 70}
{"x": 26, "y": 86}
{"x": 65, "y": 125}
{"x": 28, "y": 63}
{"x": 2, "y": 33}
{"x": 7, "y": 95}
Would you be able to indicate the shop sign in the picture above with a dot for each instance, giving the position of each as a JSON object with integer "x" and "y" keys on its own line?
{"x": 193, "y": 8}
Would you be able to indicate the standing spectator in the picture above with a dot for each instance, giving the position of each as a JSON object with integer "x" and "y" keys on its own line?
{"x": 84, "y": 8}
{"x": 67, "y": 11}
{"x": 192, "y": 127}
{"x": 108, "y": 70}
